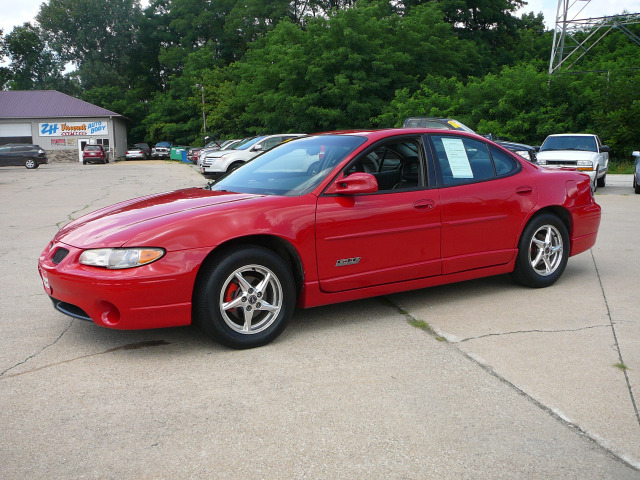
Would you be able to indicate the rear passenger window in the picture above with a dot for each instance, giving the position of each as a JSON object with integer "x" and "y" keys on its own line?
{"x": 462, "y": 160}
{"x": 504, "y": 163}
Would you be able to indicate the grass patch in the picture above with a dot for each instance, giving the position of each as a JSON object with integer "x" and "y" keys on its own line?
{"x": 621, "y": 167}
{"x": 421, "y": 324}
{"x": 621, "y": 366}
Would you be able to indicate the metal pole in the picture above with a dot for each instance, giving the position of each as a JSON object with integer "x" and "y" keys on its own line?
{"x": 204, "y": 116}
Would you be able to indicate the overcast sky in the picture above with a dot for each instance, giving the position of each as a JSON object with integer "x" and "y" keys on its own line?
{"x": 17, "y": 12}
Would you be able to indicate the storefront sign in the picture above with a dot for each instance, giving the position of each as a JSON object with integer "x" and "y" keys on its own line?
{"x": 57, "y": 141}
{"x": 74, "y": 129}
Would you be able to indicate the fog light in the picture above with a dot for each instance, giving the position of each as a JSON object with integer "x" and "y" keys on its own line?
{"x": 110, "y": 314}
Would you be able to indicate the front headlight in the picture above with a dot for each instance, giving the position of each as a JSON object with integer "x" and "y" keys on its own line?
{"x": 542, "y": 161}
{"x": 585, "y": 165}
{"x": 118, "y": 258}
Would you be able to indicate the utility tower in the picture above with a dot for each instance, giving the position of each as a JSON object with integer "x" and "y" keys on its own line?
{"x": 575, "y": 35}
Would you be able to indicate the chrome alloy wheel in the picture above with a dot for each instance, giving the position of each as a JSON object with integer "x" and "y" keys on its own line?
{"x": 250, "y": 299}
{"x": 546, "y": 250}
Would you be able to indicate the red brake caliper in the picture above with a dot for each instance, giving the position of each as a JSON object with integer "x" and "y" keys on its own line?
{"x": 230, "y": 294}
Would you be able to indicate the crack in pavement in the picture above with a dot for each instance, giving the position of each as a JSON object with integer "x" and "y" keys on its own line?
{"x": 550, "y": 411}
{"x": 615, "y": 338}
{"x": 528, "y": 331}
{"x": 130, "y": 346}
{"x": 37, "y": 353}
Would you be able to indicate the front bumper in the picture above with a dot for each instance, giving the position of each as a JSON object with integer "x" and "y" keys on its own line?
{"x": 152, "y": 296}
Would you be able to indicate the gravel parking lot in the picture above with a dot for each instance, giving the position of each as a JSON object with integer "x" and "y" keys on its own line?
{"x": 483, "y": 379}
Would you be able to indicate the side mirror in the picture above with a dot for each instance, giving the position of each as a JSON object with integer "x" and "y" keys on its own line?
{"x": 605, "y": 149}
{"x": 256, "y": 148}
{"x": 537, "y": 148}
{"x": 354, "y": 184}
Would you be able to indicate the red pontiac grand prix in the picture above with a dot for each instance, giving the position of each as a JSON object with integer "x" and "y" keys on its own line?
{"x": 321, "y": 219}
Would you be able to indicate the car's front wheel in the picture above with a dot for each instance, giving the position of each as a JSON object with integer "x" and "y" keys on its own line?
{"x": 636, "y": 187}
{"x": 602, "y": 181}
{"x": 245, "y": 297}
{"x": 543, "y": 252}
{"x": 30, "y": 163}
{"x": 233, "y": 166}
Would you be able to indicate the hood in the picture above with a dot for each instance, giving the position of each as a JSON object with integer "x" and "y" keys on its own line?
{"x": 115, "y": 225}
{"x": 566, "y": 155}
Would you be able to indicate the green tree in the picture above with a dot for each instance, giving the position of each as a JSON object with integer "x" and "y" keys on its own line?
{"x": 99, "y": 37}
{"x": 341, "y": 71}
{"x": 5, "y": 73}
{"x": 33, "y": 65}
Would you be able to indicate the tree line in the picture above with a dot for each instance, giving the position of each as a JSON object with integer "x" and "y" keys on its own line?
{"x": 276, "y": 66}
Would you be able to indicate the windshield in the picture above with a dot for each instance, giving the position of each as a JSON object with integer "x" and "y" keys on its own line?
{"x": 584, "y": 143}
{"x": 293, "y": 168}
{"x": 163, "y": 144}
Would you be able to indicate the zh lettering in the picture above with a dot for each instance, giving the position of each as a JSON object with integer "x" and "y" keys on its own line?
{"x": 49, "y": 129}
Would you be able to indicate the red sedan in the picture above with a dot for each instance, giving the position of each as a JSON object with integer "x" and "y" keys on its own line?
{"x": 322, "y": 219}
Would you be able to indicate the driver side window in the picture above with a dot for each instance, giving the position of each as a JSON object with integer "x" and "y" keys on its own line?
{"x": 396, "y": 165}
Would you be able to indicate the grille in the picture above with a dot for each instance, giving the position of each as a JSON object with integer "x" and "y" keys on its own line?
{"x": 59, "y": 255}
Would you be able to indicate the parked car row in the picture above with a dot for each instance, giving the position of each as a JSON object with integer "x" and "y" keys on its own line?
{"x": 218, "y": 162}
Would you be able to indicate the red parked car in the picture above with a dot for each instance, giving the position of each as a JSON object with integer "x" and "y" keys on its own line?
{"x": 321, "y": 219}
{"x": 94, "y": 153}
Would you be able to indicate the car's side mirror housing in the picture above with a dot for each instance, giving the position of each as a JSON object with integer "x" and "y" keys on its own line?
{"x": 537, "y": 148}
{"x": 256, "y": 148}
{"x": 604, "y": 149}
{"x": 354, "y": 184}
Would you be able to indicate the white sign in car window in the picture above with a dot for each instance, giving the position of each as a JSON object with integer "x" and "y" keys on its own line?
{"x": 458, "y": 159}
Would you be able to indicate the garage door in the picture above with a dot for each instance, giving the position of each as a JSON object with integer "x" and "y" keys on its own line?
{"x": 15, "y": 133}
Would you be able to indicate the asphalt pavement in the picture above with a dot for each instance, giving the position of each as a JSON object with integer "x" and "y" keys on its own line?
{"x": 481, "y": 379}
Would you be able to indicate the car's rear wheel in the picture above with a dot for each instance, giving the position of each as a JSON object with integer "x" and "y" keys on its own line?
{"x": 543, "y": 252}
{"x": 30, "y": 163}
{"x": 245, "y": 297}
{"x": 84, "y": 162}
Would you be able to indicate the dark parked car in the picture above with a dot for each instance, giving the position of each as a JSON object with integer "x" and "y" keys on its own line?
{"x": 94, "y": 153}
{"x": 525, "y": 151}
{"x": 18, "y": 154}
{"x": 145, "y": 148}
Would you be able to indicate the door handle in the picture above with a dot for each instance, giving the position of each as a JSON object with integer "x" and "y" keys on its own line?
{"x": 524, "y": 190}
{"x": 424, "y": 205}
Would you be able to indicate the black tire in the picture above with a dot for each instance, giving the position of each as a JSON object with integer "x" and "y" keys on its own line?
{"x": 84, "y": 162}
{"x": 602, "y": 181}
{"x": 30, "y": 163}
{"x": 636, "y": 187}
{"x": 233, "y": 166}
{"x": 543, "y": 251}
{"x": 236, "y": 313}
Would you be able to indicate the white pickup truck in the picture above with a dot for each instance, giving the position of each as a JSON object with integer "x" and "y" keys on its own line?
{"x": 584, "y": 152}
